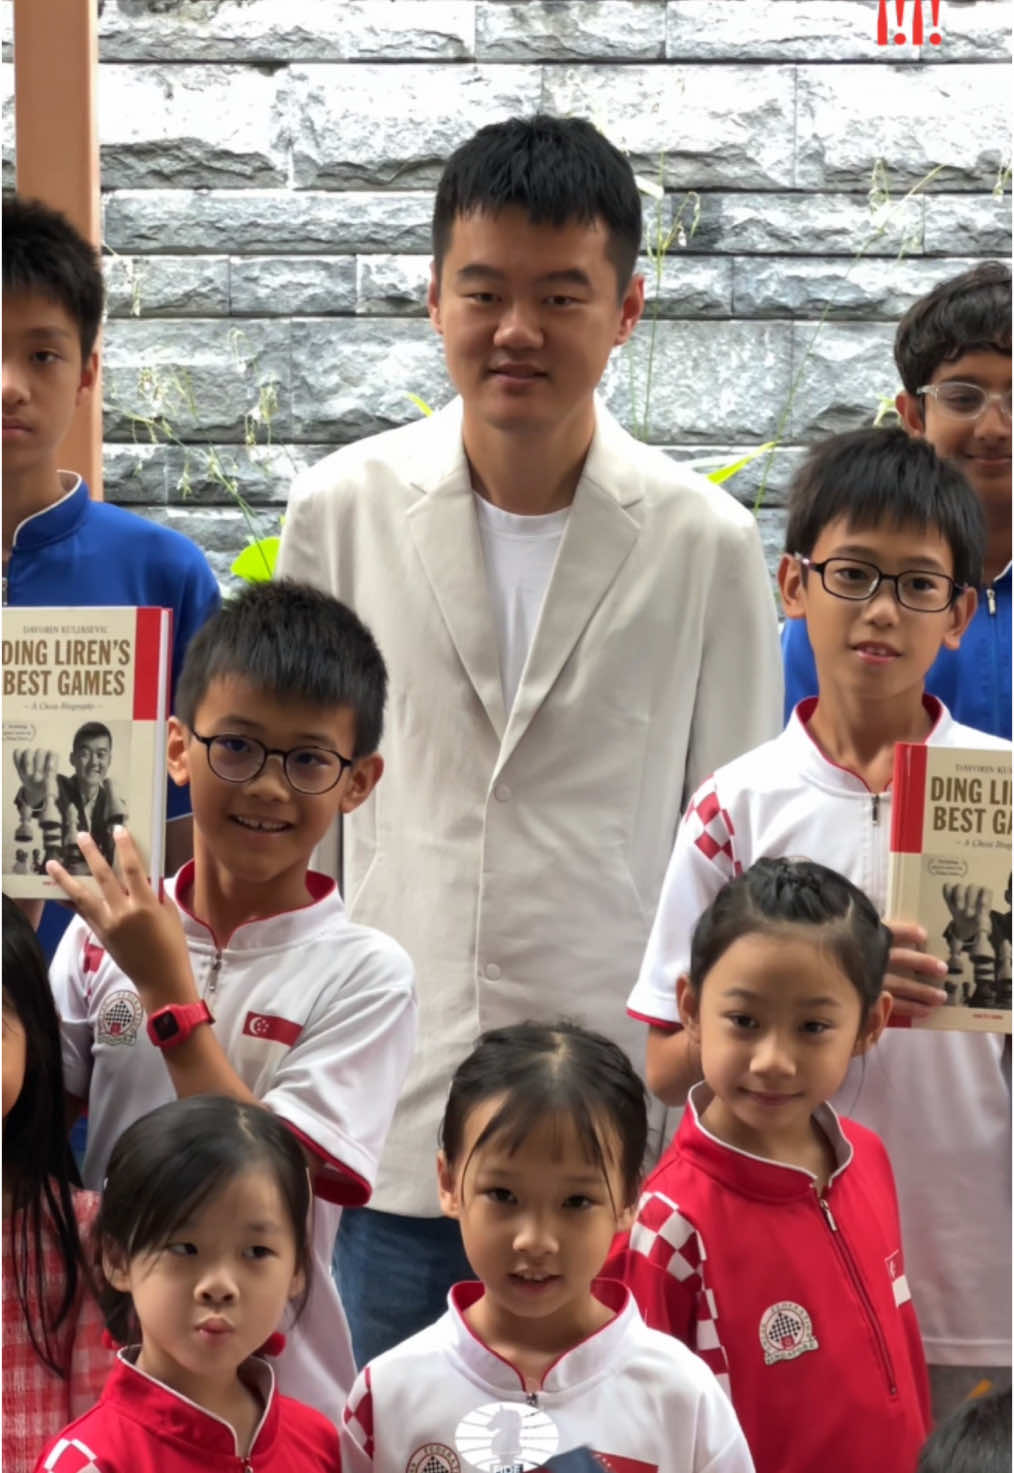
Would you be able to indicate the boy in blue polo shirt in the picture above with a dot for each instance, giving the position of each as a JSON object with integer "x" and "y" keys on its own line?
{"x": 952, "y": 349}
{"x": 59, "y": 546}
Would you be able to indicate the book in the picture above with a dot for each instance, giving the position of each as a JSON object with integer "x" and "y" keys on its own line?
{"x": 85, "y": 710}
{"x": 950, "y": 870}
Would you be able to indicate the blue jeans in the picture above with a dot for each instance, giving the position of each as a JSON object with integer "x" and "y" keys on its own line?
{"x": 393, "y": 1274}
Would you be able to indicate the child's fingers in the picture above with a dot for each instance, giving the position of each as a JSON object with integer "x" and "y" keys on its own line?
{"x": 134, "y": 878}
{"x": 901, "y": 959}
{"x": 79, "y": 896}
{"x": 911, "y": 998}
{"x": 109, "y": 886}
{"x": 906, "y": 933}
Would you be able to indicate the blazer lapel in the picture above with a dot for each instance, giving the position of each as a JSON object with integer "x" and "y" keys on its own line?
{"x": 443, "y": 526}
{"x": 597, "y": 542}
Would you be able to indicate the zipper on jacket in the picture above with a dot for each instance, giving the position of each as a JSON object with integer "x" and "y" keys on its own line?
{"x": 991, "y": 599}
{"x": 876, "y": 807}
{"x": 860, "y": 1289}
{"x": 216, "y": 967}
{"x": 532, "y": 1398}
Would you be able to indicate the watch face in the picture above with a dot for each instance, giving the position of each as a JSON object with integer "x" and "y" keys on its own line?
{"x": 165, "y": 1025}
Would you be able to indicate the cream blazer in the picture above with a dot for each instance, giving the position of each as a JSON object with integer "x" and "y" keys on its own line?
{"x": 518, "y": 856}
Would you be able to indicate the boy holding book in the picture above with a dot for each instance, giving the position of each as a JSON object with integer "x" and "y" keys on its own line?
{"x": 60, "y": 547}
{"x": 883, "y": 554}
{"x": 248, "y": 978}
{"x": 952, "y": 349}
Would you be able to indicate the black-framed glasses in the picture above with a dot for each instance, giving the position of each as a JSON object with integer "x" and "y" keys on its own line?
{"x": 853, "y": 579}
{"x": 239, "y": 759}
{"x": 963, "y": 400}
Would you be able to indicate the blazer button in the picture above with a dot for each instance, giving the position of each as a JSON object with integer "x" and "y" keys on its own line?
{"x": 492, "y": 971}
{"x": 501, "y": 792}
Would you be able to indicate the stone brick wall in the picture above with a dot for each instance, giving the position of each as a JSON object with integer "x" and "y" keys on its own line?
{"x": 268, "y": 170}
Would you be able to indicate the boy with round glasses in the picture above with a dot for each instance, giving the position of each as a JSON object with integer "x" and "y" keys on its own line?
{"x": 884, "y": 548}
{"x": 953, "y": 351}
{"x": 250, "y": 980}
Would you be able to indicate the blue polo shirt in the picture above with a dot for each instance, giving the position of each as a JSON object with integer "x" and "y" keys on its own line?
{"x": 84, "y": 553}
{"x": 973, "y": 681}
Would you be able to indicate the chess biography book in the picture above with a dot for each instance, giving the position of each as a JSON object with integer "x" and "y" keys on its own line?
{"x": 85, "y": 714}
{"x": 950, "y": 870}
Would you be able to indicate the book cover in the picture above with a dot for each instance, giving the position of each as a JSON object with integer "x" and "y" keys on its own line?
{"x": 950, "y": 870}
{"x": 86, "y": 701}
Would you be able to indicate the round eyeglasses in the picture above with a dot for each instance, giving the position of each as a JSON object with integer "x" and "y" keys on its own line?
{"x": 849, "y": 578}
{"x": 960, "y": 400}
{"x": 239, "y": 759}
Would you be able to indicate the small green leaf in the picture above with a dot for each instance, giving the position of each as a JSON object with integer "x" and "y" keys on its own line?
{"x": 256, "y": 563}
{"x": 420, "y": 404}
{"x": 725, "y": 472}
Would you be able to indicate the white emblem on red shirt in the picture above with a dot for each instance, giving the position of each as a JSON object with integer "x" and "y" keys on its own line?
{"x": 785, "y": 1332}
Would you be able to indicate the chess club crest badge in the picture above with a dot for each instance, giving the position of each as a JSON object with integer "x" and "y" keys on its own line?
{"x": 785, "y": 1332}
{"x": 433, "y": 1457}
{"x": 120, "y": 1018}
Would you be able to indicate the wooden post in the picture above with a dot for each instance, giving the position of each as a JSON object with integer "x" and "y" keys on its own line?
{"x": 57, "y": 155}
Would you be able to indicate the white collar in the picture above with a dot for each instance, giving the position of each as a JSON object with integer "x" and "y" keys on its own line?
{"x": 266, "y": 933}
{"x": 816, "y": 768}
{"x": 582, "y": 1366}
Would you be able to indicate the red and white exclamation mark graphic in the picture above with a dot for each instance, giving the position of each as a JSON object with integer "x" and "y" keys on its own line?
{"x": 899, "y": 37}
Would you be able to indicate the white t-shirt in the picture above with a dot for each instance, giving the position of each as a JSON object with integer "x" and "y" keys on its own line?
{"x": 939, "y": 1101}
{"x": 317, "y": 1017}
{"x": 519, "y": 553}
{"x": 443, "y": 1401}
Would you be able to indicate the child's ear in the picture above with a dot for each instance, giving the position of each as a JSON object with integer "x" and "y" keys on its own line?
{"x": 298, "y": 1284}
{"x": 89, "y": 372}
{"x": 363, "y": 778}
{"x": 959, "y": 616}
{"x": 625, "y": 1218}
{"x": 688, "y": 1003}
{"x": 910, "y": 412}
{"x": 876, "y": 1022}
{"x": 447, "y": 1187}
{"x": 115, "y": 1271}
{"x": 178, "y": 754}
{"x": 792, "y": 586}
{"x": 631, "y": 309}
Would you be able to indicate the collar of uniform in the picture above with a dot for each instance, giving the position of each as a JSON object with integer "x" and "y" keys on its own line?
{"x": 288, "y": 927}
{"x": 55, "y": 521}
{"x": 585, "y": 1363}
{"x": 817, "y": 768}
{"x": 754, "y": 1176}
{"x": 167, "y": 1413}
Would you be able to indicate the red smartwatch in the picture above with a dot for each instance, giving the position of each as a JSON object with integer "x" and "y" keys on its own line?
{"x": 174, "y": 1024}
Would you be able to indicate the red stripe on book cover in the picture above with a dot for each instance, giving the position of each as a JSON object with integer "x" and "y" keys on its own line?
{"x": 908, "y": 797}
{"x": 147, "y": 641}
{"x": 266, "y": 1025}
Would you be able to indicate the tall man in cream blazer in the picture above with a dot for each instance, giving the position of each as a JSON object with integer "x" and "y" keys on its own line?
{"x": 577, "y": 632}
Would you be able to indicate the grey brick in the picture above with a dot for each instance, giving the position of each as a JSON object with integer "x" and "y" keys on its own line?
{"x": 166, "y": 286}
{"x": 569, "y": 30}
{"x": 293, "y": 286}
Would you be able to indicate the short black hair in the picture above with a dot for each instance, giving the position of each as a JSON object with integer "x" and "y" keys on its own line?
{"x": 90, "y": 732}
{"x": 974, "y": 1439}
{"x": 970, "y": 313}
{"x": 874, "y": 477}
{"x": 171, "y": 1162}
{"x": 44, "y": 253}
{"x": 545, "y": 1070}
{"x": 558, "y": 170}
{"x": 295, "y": 641}
{"x": 774, "y": 894}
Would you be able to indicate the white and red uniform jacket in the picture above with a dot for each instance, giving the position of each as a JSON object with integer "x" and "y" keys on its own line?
{"x": 442, "y": 1402}
{"x": 139, "y": 1425}
{"x": 798, "y": 1301}
{"x": 317, "y": 1017}
{"x": 938, "y": 1100}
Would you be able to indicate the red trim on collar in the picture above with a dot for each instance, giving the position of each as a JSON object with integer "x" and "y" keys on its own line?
{"x": 934, "y": 709}
{"x": 666, "y": 1024}
{"x": 318, "y": 887}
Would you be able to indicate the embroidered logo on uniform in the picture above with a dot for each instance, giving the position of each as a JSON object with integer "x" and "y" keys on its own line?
{"x": 506, "y": 1435}
{"x": 120, "y": 1017}
{"x": 785, "y": 1332}
{"x": 266, "y": 1025}
{"x": 433, "y": 1457}
{"x": 899, "y": 1283}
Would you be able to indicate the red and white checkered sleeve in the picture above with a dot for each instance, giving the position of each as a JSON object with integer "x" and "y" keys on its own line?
{"x": 667, "y": 1273}
{"x": 702, "y": 861}
{"x": 357, "y": 1431}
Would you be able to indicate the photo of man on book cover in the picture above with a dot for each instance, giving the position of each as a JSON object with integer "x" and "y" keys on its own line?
{"x": 53, "y": 807}
{"x": 979, "y": 947}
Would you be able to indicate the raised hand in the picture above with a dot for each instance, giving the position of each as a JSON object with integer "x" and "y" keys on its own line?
{"x": 914, "y": 979}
